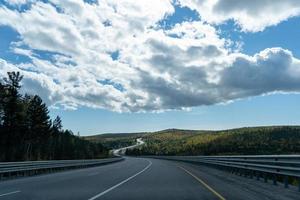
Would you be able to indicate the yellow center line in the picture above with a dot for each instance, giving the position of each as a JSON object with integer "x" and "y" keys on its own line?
{"x": 203, "y": 183}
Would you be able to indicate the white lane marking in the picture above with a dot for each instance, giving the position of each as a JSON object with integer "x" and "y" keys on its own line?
{"x": 121, "y": 183}
{"x": 14, "y": 192}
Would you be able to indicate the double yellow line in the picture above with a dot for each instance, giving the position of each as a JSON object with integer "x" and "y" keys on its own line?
{"x": 204, "y": 184}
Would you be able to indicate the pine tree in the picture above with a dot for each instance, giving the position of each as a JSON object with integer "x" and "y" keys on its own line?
{"x": 2, "y": 132}
{"x": 56, "y": 138}
{"x": 39, "y": 127}
{"x": 26, "y": 131}
{"x": 13, "y": 116}
{"x": 57, "y": 126}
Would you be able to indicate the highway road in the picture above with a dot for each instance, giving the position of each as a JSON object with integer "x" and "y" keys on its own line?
{"x": 138, "y": 178}
{"x": 121, "y": 151}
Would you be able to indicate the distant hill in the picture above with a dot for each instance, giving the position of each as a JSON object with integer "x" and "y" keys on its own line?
{"x": 118, "y": 140}
{"x": 115, "y": 140}
{"x": 248, "y": 140}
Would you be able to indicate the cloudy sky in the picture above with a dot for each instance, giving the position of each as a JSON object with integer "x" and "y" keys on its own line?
{"x": 125, "y": 65}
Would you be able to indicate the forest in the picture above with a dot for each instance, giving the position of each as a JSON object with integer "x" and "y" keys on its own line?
{"x": 115, "y": 140}
{"x": 28, "y": 133}
{"x": 242, "y": 141}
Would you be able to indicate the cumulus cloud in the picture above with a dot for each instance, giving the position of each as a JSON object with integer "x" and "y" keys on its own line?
{"x": 18, "y": 2}
{"x": 193, "y": 71}
{"x": 70, "y": 46}
{"x": 253, "y": 15}
{"x": 271, "y": 70}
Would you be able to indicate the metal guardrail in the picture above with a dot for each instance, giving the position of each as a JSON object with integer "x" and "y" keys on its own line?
{"x": 8, "y": 169}
{"x": 262, "y": 166}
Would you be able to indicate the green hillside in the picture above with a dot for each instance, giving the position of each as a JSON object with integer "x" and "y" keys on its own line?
{"x": 255, "y": 140}
{"x": 115, "y": 140}
{"x": 118, "y": 140}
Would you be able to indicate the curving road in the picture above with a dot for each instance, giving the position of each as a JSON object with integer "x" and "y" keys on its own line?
{"x": 121, "y": 151}
{"x": 138, "y": 178}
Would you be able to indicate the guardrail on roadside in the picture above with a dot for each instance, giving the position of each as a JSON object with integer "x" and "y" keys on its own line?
{"x": 15, "y": 169}
{"x": 276, "y": 167}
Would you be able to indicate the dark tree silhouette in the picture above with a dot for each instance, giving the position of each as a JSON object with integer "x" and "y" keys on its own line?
{"x": 26, "y": 131}
{"x": 57, "y": 124}
{"x": 38, "y": 127}
{"x": 13, "y": 116}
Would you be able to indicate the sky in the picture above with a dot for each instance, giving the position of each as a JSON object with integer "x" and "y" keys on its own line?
{"x": 128, "y": 66}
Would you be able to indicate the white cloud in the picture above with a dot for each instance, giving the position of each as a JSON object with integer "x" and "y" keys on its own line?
{"x": 70, "y": 45}
{"x": 18, "y": 2}
{"x": 193, "y": 70}
{"x": 271, "y": 70}
{"x": 250, "y": 15}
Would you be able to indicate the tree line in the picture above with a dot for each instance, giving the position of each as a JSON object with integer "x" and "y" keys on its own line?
{"x": 243, "y": 141}
{"x": 28, "y": 133}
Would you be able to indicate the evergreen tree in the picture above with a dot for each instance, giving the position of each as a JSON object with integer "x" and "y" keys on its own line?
{"x": 13, "y": 116}
{"x": 2, "y": 133}
{"x": 26, "y": 132}
{"x": 57, "y": 126}
{"x": 39, "y": 127}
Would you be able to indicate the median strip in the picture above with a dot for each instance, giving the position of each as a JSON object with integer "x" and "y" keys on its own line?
{"x": 203, "y": 183}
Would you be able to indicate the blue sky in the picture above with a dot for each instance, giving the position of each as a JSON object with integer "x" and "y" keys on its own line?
{"x": 257, "y": 111}
{"x": 150, "y": 66}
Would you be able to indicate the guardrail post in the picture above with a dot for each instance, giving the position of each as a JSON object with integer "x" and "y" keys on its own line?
{"x": 286, "y": 182}
{"x": 274, "y": 179}
{"x": 265, "y": 177}
{"x": 241, "y": 172}
{"x": 251, "y": 174}
{"x": 257, "y": 176}
{"x": 233, "y": 171}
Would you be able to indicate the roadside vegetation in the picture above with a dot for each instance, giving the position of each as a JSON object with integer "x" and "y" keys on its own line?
{"x": 28, "y": 133}
{"x": 243, "y": 141}
{"x": 115, "y": 140}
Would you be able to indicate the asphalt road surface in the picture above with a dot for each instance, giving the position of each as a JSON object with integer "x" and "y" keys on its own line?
{"x": 138, "y": 178}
